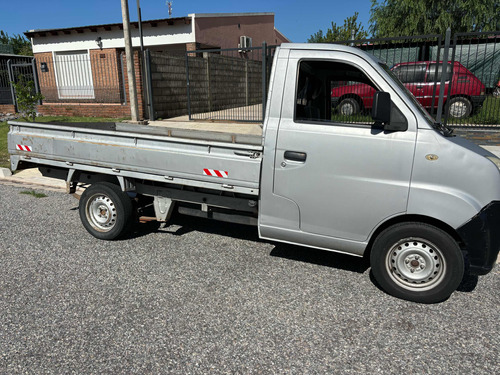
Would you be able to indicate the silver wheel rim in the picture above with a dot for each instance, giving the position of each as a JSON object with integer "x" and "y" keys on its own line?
{"x": 101, "y": 212}
{"x": 415, "y": 264}
{"x": 347, "y": 109}
{"x": 458, "y": 109}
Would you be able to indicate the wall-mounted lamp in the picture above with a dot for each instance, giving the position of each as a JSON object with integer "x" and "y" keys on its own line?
{"x": 43, "y": 67}
{"x": 99, "y": 42}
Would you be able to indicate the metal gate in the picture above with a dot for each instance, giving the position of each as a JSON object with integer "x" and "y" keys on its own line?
{"x": 17, "y": 69}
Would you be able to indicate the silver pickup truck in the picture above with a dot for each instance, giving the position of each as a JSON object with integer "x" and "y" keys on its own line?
{"x": 421, "y": 204}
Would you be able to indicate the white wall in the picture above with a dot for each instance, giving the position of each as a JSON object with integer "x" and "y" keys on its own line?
{"x": 153, "y": 36}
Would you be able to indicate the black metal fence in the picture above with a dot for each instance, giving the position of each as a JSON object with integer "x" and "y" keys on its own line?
{"x": 231, "y": 85}
{"x": 479, "y": 53}
{"x": 228, "y": 84}
{"x": 472, "y": 65}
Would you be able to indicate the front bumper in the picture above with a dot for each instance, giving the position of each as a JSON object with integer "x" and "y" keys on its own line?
{"x": 481, "y": 236}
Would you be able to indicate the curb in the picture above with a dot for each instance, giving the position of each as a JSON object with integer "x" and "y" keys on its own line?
{"x": 16, "y": 182}
{"x": 5, "y": 173}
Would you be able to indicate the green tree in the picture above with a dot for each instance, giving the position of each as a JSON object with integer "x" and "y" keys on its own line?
{"x": 27, "y": 97}
{"x": 340, "y": 33}
{"x": 19, "y": 43}
{"x": 417, "y": 17}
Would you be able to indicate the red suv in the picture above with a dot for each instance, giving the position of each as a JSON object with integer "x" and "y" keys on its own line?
{"x": 464, "y": 90}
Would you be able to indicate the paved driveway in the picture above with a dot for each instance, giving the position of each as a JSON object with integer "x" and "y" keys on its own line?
{"x": 202, "y": 297}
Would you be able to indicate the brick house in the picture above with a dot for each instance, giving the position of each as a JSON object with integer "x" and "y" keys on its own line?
{"x": 81, "y": 70}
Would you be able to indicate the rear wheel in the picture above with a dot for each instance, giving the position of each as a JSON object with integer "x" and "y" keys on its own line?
{"x": 460, "y": 107}
{"x": 349, "y": 107}
{"x": 417, "y": 262}
{"x": 105, "y": 211}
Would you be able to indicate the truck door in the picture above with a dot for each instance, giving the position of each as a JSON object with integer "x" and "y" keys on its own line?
{"x": 343, "y": 174}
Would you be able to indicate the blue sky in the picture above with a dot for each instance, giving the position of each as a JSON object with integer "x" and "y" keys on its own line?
{"x": 296, "y": 19}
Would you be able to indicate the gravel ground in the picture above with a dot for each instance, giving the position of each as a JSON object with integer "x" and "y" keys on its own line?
{"x": 201, "y": 297}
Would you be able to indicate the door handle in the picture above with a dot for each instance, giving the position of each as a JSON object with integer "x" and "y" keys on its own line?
{"x": 295, "y": 156}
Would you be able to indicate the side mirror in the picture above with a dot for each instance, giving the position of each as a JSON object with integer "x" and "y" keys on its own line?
{"x": 387, "y": 115}
{"x": 381, "y": 110}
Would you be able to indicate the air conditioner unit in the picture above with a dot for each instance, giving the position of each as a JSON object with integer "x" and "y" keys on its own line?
{"x": 245, "y": 43}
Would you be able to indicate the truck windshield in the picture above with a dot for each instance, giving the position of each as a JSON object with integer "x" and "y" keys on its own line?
{"x": 409, "y": 94}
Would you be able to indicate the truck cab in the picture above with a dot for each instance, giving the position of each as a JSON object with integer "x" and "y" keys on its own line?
{"x": 389, "y": 189}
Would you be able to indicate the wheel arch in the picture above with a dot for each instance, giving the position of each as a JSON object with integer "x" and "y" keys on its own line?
{"x": 78, "y": 175}
{"x": 412, "y": 218}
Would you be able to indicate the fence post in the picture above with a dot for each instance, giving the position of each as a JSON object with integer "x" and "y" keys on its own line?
{"x": 437, "y": 58}
{"x": 123, "y": 80}
{"x": 454, "y": 49}
{"x": 187, "y": 86}
{"x": 247, "y": 102}
{"x": 11, "y": 79}
{"x": 149, "y": 85}
{"x": 264, "y": 79}
{"x": 208, "y": 83}
{"x": 35, "y": 78}
{"x": 443, "y": 74}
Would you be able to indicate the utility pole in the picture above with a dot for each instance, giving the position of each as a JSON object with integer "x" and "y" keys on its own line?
{"x": 130, "y": 62}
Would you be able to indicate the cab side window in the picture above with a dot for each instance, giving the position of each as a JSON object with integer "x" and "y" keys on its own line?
{"x": 333, "y": 92}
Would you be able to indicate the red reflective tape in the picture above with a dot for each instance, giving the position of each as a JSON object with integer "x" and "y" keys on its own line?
{"x": 23, "y": 148}
{"x": 215, "y": 173}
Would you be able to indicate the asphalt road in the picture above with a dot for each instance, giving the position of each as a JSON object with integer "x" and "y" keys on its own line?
{"x": 200, "y": 297}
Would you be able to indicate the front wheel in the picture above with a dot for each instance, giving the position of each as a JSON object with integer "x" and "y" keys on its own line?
{"x": 105, "y": 211}
{"x": 417, "y": 262}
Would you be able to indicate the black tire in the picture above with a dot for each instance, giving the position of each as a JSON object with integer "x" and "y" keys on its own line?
{"x": 459, "y": 107}
{"x": 417, "y": 262}
{"x": 105, "y": 211}
{"x": 349, "y": 107}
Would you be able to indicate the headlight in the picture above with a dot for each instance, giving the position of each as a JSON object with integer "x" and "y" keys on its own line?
{"x": 494, "y": 160}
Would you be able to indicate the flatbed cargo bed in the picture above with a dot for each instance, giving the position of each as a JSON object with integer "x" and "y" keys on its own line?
{"x": 158, "y": 153}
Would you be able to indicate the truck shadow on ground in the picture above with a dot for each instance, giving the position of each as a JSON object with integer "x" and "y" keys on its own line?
{"x": 320, "y": 257}
{"x": 181, "y": 225}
